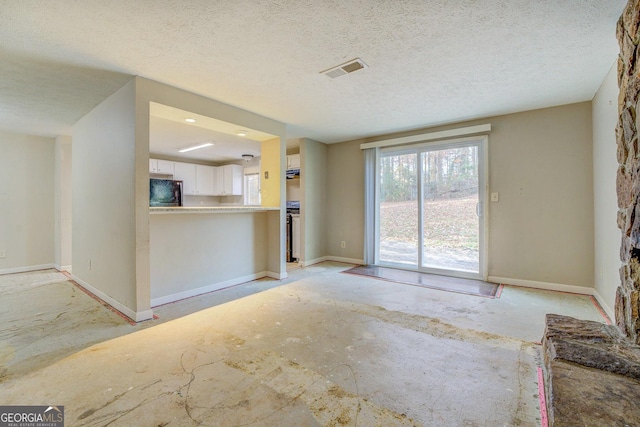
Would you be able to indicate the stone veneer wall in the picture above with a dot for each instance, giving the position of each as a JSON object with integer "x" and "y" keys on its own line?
{"x": 627, "y": 305}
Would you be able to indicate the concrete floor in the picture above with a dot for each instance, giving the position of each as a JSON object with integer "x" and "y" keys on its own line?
{"x": 318, "y": 349}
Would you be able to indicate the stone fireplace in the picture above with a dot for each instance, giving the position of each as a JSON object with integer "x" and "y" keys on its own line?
{"x": 592, "y": 370}
{"x": 627, "y": 305}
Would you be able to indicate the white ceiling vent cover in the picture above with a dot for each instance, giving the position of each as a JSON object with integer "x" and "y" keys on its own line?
{"x": 346, "y": 68}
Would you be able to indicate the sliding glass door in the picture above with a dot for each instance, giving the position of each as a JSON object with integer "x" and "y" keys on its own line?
{"x": 430, "y": 208}
{"x": 398, "y": 209}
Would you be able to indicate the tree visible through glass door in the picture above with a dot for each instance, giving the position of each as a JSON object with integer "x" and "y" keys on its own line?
{"x": 428, "y": 206}
{"x": 398, "y": 209}
{"x": 450, "y": 220}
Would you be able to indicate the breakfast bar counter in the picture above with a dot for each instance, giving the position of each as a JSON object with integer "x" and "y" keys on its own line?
{"x": 195, "y": 250}
{"x": 210, "y": 209}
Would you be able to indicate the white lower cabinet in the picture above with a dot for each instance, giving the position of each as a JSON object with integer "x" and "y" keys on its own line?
{"x": 228, "y": 180}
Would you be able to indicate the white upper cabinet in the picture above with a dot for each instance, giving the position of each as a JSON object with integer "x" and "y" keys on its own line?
{"x": 164, "y": 167}
{"x": 228, "y": 180}
{"x": 293, "y": 161}
{"x": 204, "y": 180}
{"x": 186, "y": 172}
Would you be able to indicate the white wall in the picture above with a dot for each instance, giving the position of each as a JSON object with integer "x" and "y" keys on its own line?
{"x": 63, "y": 202}
{"x": 103, "y": 175}
{"x": 605, "y": 164}
{"x": 541, "y": 231}
{"x": 27, "y": 233}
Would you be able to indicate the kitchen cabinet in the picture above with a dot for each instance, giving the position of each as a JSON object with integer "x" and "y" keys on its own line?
{"x": 164, "y": 167}
{"x": 197, "y": 180}
{"x": 295, "y": 236}
{"x": 228, "y": 180}
{"x": 186, "y": 172}
{"x": 293, "y": 161}
{"x": 204, "y": 180}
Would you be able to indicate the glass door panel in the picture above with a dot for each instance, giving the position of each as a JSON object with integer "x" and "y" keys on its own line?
{"x": 450, "y": 202}
{"x": 398, "y": 209}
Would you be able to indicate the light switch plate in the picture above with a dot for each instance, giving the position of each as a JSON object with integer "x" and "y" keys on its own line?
{"x": 495, "y": 197}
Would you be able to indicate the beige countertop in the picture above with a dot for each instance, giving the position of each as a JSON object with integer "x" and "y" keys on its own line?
{"x": 210, "y": 209}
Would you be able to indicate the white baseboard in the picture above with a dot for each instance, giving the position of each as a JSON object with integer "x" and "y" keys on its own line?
{"x": 345, "y": 260}
{"x": 59, "y": 267}
{"x": 314, "y": 261}
{"x": 136, "y": 316}
{"x": 26, "y": 269}
{"x": 583, "y": 290}
{"x": 277, "y": 276}
{"x": 210, "y": 288}
{"x": 332, "y": 258}
{"x": 604, "y": 305}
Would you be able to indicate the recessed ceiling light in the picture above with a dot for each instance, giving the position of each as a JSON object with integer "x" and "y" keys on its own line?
{"x": 242, "y": 133}
{"x": 190, "y": 120}
{"x": 195, "y": 147}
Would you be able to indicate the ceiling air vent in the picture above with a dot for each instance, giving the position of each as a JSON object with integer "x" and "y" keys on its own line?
{"x": 346, "y": 68}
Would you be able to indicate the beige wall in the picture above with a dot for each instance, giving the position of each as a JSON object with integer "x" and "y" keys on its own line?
{"x": 605, "y": 165}
{"x": 187, "y": 257}
{"x": 345, "y": 200}
{"x": 103, "y": 175}
{"x": 313, "y": 200}
{"x": 63, "y": 202}
{"x": 149, "y": 91}
{"x": 541, "y": 230}
{"x": 27, "y": 230}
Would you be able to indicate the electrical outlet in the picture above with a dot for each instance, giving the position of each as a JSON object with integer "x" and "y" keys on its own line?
{"x": 343, "y": 244}
{"x": 3, "y": 254}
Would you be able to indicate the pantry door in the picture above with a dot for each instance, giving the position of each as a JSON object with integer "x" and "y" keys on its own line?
{"x": 430, "y": 208}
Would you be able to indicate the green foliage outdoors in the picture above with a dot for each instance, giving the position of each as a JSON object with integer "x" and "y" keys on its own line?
{"x": 450, "y": 187}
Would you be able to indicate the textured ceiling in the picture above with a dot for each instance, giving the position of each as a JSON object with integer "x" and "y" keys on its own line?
{"x": 430, "y": 62}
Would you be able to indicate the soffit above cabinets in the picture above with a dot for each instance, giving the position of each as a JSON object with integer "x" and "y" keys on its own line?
{"x": 168, "y": 133}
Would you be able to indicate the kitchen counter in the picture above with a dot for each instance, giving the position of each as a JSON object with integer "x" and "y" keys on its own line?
{"x": 210, "y": 209}
{"x": 195, "y": 250}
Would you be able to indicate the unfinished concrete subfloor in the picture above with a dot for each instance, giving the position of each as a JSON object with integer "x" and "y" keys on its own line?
{"x": 319, "y": 349}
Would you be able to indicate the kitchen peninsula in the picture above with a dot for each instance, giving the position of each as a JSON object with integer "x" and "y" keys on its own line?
{"x": 195, "y": 250}
{"x": 209, "y": 209}
{"x": 202, "y": 246}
